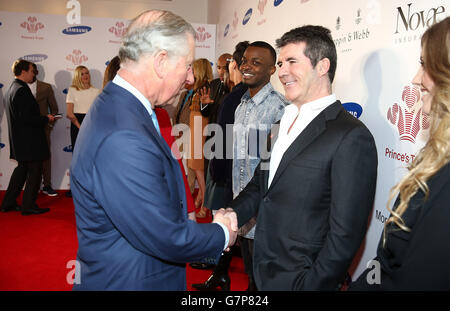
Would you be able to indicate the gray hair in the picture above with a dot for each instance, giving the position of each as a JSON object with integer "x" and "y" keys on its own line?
{"x": 153, "y": 31}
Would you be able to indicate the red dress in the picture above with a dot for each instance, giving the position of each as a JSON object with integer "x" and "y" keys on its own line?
{"x": 166, "y": 132}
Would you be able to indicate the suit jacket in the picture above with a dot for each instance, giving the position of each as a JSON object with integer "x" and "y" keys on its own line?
{"x": 46, "y": 98}
{"x": 130, "y": 207}
{"x": 313, "y": 218}
{"x": 424, "y": 262}
{"x": 166, "y": 132}
{"x": 25, "y": 124}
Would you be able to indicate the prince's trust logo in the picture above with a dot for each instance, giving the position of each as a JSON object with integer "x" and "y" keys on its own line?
{"x": 118, "y": 30}
{"x": 408, "y": 117}
{"x": 77, "y": 57}
{"x": 201, "y": 35}
{"x": 32, "y": 25}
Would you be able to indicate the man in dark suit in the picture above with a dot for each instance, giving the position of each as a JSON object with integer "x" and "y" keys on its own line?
{"x": 313, "y": 196}
{"x": 132, "y": 226}
{"x": 28, "y": 145}
{"x": 43, "y": 92}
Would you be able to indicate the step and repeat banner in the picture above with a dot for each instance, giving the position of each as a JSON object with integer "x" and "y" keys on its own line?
{"x": 378, "y": 46}
{"x": 58, "y": 48}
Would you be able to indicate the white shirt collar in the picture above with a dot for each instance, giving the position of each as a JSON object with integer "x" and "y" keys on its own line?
{"x": 118, "y": 80}
{"x": 318, "y": 104}
{"x": 33, "y": 87}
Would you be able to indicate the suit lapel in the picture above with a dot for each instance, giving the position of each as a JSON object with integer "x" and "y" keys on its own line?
{"x": 306, "y": 137}
{"x": 137, "y": 108}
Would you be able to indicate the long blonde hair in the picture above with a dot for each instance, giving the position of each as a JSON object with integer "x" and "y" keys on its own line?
{"x": 202, "y": 72}
{"x": 76, "y": 81}
{"x": 436, "y": 153}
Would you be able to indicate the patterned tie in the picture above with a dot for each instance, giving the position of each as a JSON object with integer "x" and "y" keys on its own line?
{"x": 155, "y": 122}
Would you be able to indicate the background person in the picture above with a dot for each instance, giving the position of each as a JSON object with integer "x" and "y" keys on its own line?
{"x": 202, "y": 71}
{"x": 219, "y": 193}
{"x": 261, "y": 106}
{"x": 43, "y": 92}
{"x": 27, "y": 142}
{"x": 79, "y": 99}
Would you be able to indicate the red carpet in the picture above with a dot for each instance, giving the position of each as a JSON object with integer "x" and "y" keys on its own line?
{"x": 35, "y": 249}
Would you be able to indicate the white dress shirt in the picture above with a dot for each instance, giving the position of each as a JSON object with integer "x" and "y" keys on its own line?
{"x": 33, "y": 87}
{"x": 306, "y": 114}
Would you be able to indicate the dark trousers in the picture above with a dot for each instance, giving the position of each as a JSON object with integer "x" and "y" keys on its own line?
{"x": 74, "y": 130}
{"x": 247, "y": 255}
{"x": 27, "y": 173}
{"x": 47, "y": 164}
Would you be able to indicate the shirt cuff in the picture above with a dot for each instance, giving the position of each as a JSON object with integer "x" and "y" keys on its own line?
{"x": 227, "y": 234}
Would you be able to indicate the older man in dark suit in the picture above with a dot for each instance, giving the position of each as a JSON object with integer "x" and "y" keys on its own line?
{"x": 313, "y": 196}
{"x": 132, "y": 226}
{"x": 27, "y": 141}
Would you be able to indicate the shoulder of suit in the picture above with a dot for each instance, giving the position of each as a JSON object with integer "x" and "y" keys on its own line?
{"x": 42, "y": 83}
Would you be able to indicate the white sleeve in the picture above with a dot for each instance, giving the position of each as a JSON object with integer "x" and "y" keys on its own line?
{"x": 71, "y": 95}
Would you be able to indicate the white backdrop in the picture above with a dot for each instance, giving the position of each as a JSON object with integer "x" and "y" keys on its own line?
{"x": 378, "y": 44}
{"x": 57, "y": 48}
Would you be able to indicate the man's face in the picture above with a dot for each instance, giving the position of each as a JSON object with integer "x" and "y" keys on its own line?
{"x": 296, "y": 73}
{"x": 35, "y": 71}
{"x": 179, "y": 74}
{"x": 257, "y": 67}
{"x": 222, "y": 67}
{"x": 29, "y": 75}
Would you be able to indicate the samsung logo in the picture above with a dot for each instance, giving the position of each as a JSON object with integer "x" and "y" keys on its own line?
{"x": 35, "y": 58}
{"x": 277, "y": 2}
{"x": 227, "y": 28}
{"x": 2, "y": 145}
{"x": 1, "y": 85}
{"x": 65, "y": 91}
{"x": 68, "y": 148}
{"x": 247, "y": 16}
{"x": 76, "y": 30}
{"x": 354, "y": 109}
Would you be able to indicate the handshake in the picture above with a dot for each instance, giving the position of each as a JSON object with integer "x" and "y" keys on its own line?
{"x": 228, "y": 218}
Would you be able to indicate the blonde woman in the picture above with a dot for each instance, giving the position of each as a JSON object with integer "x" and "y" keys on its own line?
{"x": 202, "y": 77}
{"x": 414, "y": 250}
{"x": 79, "y": 99}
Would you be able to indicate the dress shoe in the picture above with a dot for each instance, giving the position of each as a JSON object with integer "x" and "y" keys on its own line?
{"x": 15, "y": 208}
{"x": 214, "y": 281}
{"x": 34, "y": 211}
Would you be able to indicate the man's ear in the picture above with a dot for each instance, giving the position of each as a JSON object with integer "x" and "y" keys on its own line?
{"x": 323, "y": 66}
{"x": 272, "y": 70}
{"x": 160, "y": 63}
